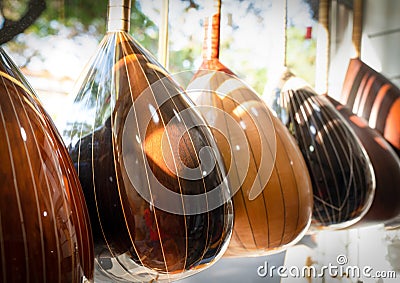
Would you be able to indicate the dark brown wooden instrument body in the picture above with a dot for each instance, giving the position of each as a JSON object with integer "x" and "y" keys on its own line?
{"x": 372, "y": 96}
{"x": 386, "y": 204}
{"x": 341, "y": 173}
{"x": 111, "y": 162}
{"x": 45, "y": 232}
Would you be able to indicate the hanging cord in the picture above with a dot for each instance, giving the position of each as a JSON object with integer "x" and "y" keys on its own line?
{"x": 323, "y": 48}
{"x": 119, "y": 12}
{"x": 357, "y": 26}
{"x": 212, "y": 33}
{"x": 285, "y": 20}
{"x": 163, "y": 41}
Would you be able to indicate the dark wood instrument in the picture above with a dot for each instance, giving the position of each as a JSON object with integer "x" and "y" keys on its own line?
{"x": 341, "y": 173}
{"x": 280, "y": 212}
{"x": 372, "y": 96}
{"x": 385, "y": 207}
{"x": 138, "y": 139}
{"x": 45, "y": 234}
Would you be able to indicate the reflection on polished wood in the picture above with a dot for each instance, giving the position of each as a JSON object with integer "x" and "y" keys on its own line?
{"x": 279, "y": 212}
{"x": 386, "y": 205}
{"x": 45, "y": 233}
{"x": 342, "y": 176}
{"x": 372, "y": 96}
{"x": 129, "y": 124}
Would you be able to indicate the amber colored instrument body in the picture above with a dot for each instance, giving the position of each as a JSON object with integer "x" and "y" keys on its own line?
{"x": 372, "y": 96}
{"x": 45, "y": 232}
{"x": 132, "y": 144}
{"x": 342, "y": 176}
{"x": 281, "y": 211}
{"x": 385, "y": 207}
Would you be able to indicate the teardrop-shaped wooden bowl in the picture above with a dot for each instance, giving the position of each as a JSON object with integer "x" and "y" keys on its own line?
{"x": 370, "y": 95}
{"x": 133, "y": 151}
{"x": 273, "y": 203}
{"x": 341, "y": 173}
{"x": 45, "y": 234}
{"x": 385, "y": 207}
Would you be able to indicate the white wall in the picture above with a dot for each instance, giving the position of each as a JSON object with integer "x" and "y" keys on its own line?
{"x": 381, "y": 37}
{"x": 341, "y": 47}
{"x": 380, "y": 46}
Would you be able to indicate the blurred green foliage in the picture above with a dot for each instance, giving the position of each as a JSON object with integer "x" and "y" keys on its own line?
{"x": 82, "y": 16}
{"x": 300, "y": 57}
{"x": 89, "y": 16}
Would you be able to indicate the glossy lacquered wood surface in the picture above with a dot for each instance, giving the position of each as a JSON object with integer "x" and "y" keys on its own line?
{"x": 372, "y": 96}
{"x": 342, "y": 177}
{"x": 279, "y": 214}
{"x": 385, "y": 207}
{"x": 118, "y": 152}
{"x": 45, "y": 233}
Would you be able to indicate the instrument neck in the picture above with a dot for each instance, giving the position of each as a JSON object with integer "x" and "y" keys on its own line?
{"x": 212, "y": 34}
{"x": 119, "y": 13}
